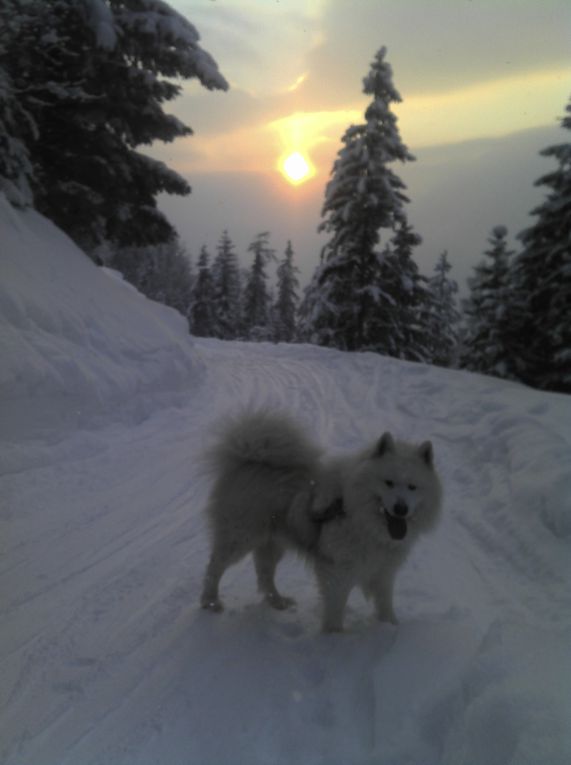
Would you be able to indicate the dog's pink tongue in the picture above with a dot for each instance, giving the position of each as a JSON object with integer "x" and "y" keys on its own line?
{"x": 397, "y": 527}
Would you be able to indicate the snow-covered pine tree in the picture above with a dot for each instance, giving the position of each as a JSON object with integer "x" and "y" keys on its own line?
{"x": 202, "y": 315}
{"x": 486, "y": 339}
{"x": 90, "y": 73}
{"x": 542, "y": 281}
{"x": 363, "y": 196}
{"x": 444, "y": 316}
{"x": 416, "y": 298}
{"x": 226, "y": 281}
{"x": 272, "y": 321}
{"x": 285, "y": 308}
{"x": 312, "y": 313}
{"x": 256, "y": 303}
{"x": 162, "y": 272}
{"x": 17, "y": 126}
{"x": 399, "y": 326}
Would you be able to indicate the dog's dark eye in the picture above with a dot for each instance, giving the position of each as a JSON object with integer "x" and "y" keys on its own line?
{"x": 412, "y": 487}
{"x": 390, "y": 484}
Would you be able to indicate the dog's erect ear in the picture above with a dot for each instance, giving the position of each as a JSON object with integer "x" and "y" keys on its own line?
{"x": 427, "y": 453}
{"x": 385, "y": 445}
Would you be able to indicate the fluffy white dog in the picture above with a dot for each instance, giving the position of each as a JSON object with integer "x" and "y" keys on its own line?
{"x": 354, "y": 518}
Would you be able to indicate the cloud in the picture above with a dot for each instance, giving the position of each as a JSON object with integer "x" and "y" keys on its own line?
{"x": 484, "y": 110}
{"x": 258, "y": 147}
{"x": 309, "y": 132}
{"x": 236, "y": 132}
{"x": 259, "y": 45}
{"x": 245, "y": 204}
{"x": 458, "y": 194}
{"x": 464, "y": 69}
{"x": 437, "y": 46}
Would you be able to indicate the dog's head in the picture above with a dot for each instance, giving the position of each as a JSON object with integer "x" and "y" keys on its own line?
{"x": 397, "y": 484}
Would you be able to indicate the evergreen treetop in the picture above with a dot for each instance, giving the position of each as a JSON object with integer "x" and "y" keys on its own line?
{"x": 487, "y": 340}
{"x": 445, "y": 316}
{"x": 202, "y": 317}
{"x": 227, "y": 290}
{"x": 256, "y": 297}
{"x": 542, "y": 280}
{"x": 88, "y": 75}
{"x": 287, "y": 299}
{"x": 363, "y": 196}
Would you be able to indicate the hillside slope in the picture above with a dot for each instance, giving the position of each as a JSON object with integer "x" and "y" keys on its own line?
{"x": 79, "y": 347}
{"x": 105, "y": 656}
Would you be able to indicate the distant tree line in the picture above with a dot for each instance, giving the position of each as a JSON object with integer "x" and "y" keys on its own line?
{"x": 518, "y": 314}
{"x": 220, "y": 298}
{"x": 223, "y": 299}
{"x": 82, "y": 88}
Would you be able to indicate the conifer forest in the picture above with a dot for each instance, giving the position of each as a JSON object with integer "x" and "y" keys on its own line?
{"x": 84, "y": 85}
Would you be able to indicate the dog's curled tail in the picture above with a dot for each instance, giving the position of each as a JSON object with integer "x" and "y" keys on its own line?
{"x": 261, "y": 437}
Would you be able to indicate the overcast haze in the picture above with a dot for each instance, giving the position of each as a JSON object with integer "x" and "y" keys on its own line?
{"x": 483, "y": 83}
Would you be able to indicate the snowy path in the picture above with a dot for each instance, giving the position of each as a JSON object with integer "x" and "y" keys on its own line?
{"x": 105, "y": 658}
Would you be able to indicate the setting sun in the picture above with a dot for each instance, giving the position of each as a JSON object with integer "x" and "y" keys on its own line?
{"x": 296, "y": 168}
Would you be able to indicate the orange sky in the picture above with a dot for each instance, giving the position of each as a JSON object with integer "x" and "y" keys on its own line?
{"x": 281, "y": 60}
{"x": 466, "y": 71}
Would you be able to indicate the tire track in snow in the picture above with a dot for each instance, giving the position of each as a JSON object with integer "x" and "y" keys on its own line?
{"x": 88, "y": 592}
{"x": 415, "y": 405}
{"x": 111, "y": 641}
{"x": 490, "y": 525}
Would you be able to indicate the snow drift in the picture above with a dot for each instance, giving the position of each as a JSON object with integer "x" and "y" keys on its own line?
{"x": 78, "y": 348}
{"x": 105, "y": 657}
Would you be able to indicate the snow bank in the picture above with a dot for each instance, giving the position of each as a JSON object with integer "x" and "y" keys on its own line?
{"x": 105, "y": 655}
{"x": 78, "y": 347}
{"x": 500, "y": 700}
{"x": 512, "y": 705}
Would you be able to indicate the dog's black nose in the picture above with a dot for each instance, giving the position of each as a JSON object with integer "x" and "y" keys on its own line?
{"x": 401, "y": 509}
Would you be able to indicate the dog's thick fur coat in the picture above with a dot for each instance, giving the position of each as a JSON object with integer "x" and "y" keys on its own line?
{"x": 354, "y": 518}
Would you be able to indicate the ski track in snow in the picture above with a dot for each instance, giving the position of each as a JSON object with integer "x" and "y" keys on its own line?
{"x": 106, "y": 658}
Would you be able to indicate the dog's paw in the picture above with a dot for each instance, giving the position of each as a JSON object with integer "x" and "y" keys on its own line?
{"x": 213, "y": 605}
{"x": 280, "y": 602}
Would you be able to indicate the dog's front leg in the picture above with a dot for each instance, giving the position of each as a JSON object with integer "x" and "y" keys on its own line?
{"x": 381, "y": 588}
{"x": 335, "y": 587}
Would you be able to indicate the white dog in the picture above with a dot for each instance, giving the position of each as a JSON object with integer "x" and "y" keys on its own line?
{"x": 354, "y": 518}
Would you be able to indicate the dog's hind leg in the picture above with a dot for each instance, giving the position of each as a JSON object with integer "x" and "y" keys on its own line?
{"x": 221, "y": 558}
{"x": 266, "y": 559}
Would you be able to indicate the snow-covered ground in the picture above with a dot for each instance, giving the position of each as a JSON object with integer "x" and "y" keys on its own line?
{"x": 105, "y": 656}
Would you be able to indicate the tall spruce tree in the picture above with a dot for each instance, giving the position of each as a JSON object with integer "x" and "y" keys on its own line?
{"x": 89, "y": 76}
{"x": 444, "y": 316}
{"x": 227, "y": 288}
{"x": 285, "y": 310}
{"x": 256, "y": 303}
{"x": 363, "y": 196}
{"x": 202, "y": 315}
{"x": 486, "y": 346}
{"x": 541, "y": 274}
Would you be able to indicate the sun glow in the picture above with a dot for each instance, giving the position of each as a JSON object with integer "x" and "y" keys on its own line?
{"x": 303, "y": 138}
{"x": 296, "y": 168}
